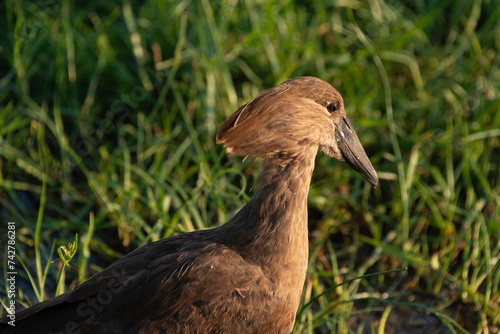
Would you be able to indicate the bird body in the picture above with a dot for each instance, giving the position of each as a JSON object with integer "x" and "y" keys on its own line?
{"x": 245, "y": 276}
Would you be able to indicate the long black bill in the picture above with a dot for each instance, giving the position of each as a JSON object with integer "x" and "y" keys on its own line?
{"x": 353, "y": 152}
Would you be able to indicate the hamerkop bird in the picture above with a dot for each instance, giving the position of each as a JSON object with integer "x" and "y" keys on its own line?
{"x": 245, "y": 276}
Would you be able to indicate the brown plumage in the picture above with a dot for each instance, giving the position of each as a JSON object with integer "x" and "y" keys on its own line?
{"x": 245, "y": 276}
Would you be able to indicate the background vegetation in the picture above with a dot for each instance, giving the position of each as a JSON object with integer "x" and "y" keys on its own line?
{"x": 108, "y": 115}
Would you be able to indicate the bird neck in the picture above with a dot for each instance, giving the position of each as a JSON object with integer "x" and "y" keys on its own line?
{"x": 282, "y": 192}
{"x": 272, "y": 227}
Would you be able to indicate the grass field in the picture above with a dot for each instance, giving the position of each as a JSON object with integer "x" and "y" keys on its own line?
{"x": 108, "y": 115}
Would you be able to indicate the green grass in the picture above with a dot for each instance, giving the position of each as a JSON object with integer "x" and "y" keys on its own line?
{"x": 108, "y": 116}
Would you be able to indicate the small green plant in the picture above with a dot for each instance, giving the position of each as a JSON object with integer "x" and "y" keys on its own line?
{"x": 65, "y": 253}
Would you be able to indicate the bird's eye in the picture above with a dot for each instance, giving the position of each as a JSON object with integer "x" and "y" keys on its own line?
{"x": 334, "y": 106}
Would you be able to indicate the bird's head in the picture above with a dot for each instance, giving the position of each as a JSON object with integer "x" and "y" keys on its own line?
{"x": 285, "y": 121}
